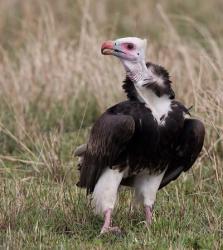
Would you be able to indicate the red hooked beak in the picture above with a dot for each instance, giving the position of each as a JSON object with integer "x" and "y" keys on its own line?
{"x": 107, "y": 48}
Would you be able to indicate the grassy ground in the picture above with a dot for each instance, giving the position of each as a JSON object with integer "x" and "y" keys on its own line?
{"x": 54, "y": 83}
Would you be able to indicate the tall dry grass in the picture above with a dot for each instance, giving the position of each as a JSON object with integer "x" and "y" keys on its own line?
{"x": 42, "y": 66}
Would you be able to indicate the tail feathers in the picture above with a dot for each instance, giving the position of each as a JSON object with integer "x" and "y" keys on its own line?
{"x": 80, "y": 150}
{"x": 170, "y": 176}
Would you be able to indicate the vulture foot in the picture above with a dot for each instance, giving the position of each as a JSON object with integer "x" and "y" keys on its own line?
{"x": 106, "y": 230}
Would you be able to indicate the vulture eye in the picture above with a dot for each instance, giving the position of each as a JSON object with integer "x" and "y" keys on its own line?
{"x": 130, "y": 46}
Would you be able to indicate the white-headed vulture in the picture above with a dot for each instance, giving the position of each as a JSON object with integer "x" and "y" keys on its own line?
{"x": 144, "y": 142}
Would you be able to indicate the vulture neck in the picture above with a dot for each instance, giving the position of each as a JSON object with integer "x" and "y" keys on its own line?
{"x": 140, "y": 75}
{"x": 136, "y": 71}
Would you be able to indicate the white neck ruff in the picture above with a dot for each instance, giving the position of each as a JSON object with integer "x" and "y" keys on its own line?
{"x": 139, "y": 75}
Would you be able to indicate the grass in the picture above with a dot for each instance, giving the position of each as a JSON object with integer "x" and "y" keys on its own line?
{"x": 54, "y": 84}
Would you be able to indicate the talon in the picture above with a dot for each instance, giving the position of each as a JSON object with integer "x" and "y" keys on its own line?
{"x": 115, "y": 230}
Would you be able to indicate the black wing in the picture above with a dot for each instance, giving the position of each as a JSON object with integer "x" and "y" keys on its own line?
{"x": 106, "y": 146}
{"x": 187, "y": 150}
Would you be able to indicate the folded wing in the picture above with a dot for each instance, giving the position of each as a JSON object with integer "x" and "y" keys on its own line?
{"x": 106, "y": 147}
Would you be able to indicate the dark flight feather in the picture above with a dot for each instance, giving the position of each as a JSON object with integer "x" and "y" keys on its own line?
{"x": 186, "y": 151}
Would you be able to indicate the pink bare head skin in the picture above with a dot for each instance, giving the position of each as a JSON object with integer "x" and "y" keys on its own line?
{"x": 128, "y": 48}
{"x": 131, "y": 52}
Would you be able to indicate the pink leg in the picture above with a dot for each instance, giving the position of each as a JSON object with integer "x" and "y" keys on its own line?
{"x": 148, "y": 211}
{"x": 106, "y": 228}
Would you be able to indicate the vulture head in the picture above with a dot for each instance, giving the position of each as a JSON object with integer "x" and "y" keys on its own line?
{"x": 131, "y": 52}
{"x": 140, "y": 75}
{"x": 126, "y": 49}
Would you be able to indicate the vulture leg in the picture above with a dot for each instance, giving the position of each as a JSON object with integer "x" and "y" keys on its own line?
{"x": 104, "y": 197}
{"x": 187, "y": 150}
{"x": 106, "y": 228}
{"x": 149, "y": 214}
{"x": 146, "y": 188}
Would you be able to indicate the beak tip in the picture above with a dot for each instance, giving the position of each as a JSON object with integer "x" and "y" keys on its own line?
{"x": 107, "y": 47}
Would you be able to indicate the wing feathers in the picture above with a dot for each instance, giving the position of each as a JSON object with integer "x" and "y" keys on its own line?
{"x": 108, "y": 140}
{"x": 189, "y": 146}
